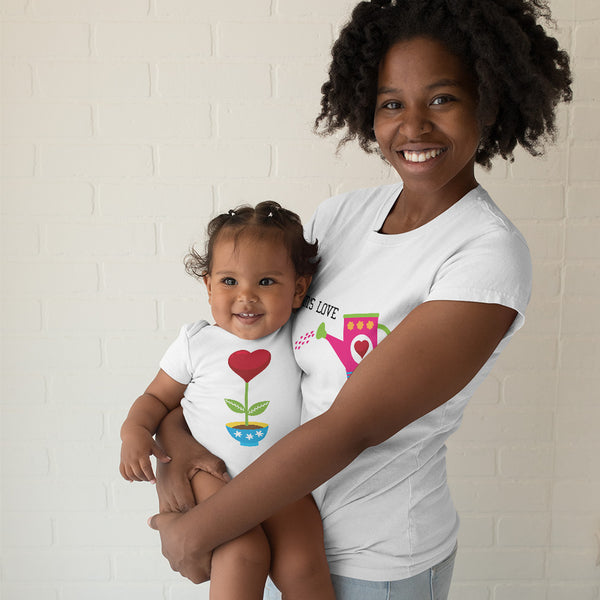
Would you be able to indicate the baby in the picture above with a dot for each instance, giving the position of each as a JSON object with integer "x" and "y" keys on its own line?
{"x": 257, "y": 268}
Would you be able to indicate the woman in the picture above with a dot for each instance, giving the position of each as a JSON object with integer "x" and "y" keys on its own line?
{"x": 420, "y": 286}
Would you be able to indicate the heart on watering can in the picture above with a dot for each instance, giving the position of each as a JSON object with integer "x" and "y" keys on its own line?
{"x": 361, "y": 347}
{"x": 249, "y": 364}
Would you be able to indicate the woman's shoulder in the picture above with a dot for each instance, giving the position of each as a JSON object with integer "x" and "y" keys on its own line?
{"x": 484, "y": 246}
{"x": 354, "y": 207}
{"x": 494, "y": 223}
{"x": 361, "y": 198}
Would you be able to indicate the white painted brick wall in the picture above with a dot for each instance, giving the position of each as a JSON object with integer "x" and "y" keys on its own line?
{"x": 125, "y": 125}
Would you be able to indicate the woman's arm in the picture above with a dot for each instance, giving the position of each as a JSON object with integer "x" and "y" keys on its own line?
{"x": 187, "y": 458}
{"x": 428, "y": 358}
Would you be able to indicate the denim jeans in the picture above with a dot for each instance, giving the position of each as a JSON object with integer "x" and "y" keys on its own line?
{"x": 432, "y": 584}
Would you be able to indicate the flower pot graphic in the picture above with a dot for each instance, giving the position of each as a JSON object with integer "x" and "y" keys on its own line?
{"x": 360, "y": 337}
{"x": 248, "y": 365}
{"x": 247, "y": 435}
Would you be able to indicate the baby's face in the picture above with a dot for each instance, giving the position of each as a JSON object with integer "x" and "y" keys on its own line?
{"x": 253, "y": 286}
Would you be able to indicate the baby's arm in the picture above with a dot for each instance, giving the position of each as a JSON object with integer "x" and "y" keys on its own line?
{"x": 138, "y": 429}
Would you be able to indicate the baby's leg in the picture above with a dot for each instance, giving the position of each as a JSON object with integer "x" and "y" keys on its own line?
{"x": 240, "y": 567}
{"x": 298, "y": 565}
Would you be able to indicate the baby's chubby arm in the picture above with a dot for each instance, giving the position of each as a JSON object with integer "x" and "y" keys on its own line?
{"x": 138, "y": 429}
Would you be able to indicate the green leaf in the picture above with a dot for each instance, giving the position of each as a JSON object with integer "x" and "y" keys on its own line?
{"x": 258, "y": 408}
{"x": 235, "y": 406}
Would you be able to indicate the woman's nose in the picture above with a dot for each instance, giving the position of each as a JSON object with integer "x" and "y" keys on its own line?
{"x": 415, "y": 123}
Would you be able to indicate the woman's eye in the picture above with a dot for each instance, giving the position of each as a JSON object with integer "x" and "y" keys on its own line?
{"x": 228, "y": 281}
{"x": 441, "y": 100}
{"x": 392, "y": 105}
{"x": 266, "y": 281}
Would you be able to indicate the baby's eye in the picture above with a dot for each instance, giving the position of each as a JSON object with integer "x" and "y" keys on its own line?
{"x": 228, "y": 281}
{"x": 266, "y": 281}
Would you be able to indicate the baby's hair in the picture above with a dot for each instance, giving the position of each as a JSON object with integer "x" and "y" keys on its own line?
{"x": 268, "y": 219}
{"x": 521, "y": 72}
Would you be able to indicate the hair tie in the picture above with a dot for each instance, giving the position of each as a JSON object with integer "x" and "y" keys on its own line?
{"x": 232, "y": 213}
{"x": 270, "y": 214}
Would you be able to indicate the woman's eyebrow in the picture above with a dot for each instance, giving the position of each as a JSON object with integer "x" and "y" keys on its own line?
{"x": 388, "y": 90}
{"x": 431, "y": 86}
{"x": 444, "y": 83}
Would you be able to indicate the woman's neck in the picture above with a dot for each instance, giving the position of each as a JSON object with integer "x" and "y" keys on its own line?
{"x": 412, "y": 210}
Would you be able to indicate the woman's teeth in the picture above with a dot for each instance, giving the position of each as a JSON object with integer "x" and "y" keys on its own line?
{"x": 419, "y": 157}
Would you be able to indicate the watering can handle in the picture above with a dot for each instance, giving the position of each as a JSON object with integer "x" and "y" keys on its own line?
{"x": 383, "y": 328}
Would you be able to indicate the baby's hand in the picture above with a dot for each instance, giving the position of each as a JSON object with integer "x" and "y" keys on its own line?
{"x": 137, "y": 447}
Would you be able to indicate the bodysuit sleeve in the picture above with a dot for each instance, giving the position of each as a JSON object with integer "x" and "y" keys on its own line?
{"x": 177, "y": 361}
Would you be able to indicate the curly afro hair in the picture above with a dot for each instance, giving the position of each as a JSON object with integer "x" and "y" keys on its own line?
{"x": 521, "y": 72}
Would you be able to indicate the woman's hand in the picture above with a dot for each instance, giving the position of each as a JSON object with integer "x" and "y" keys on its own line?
{"x": 172, "y": 529}
{"x": 187, "y": 458}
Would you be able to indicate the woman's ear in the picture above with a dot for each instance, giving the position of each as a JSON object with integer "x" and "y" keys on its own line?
{"x": 302, "y": 283}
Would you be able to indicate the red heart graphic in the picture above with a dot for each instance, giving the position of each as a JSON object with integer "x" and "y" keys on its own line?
{"x": 361, "y": 347}
{"x": 249, "y": 364}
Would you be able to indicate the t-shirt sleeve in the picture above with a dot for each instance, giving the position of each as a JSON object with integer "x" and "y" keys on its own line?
{"x": 177, "y": 362}
{"x": 494, "y": 268}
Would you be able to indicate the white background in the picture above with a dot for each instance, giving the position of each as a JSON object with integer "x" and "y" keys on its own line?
{"x": 125, "y": 126}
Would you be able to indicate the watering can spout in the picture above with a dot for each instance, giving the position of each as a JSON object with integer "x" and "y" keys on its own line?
{"x": 340, "y": 347}
{"x": 321, "y": 333}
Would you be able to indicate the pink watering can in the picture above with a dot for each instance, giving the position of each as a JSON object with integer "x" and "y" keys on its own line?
{"x": 360, "y": 337}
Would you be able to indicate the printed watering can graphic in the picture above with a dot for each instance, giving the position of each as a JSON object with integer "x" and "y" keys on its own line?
{"x": 360, "y": 337}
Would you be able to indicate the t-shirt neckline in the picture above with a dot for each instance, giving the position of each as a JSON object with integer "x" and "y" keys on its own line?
{"x": 438, "y": 221}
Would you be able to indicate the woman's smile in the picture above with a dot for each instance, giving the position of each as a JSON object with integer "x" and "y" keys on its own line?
{"x": 421, "y": 156}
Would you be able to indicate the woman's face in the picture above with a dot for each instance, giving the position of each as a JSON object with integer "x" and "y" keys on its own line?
{"x": 425, "y": 119}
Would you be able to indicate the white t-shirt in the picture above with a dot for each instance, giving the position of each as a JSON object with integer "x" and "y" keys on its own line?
{"x": 229, "y": 378}
{"x": 389, "y": 514}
